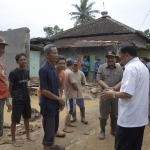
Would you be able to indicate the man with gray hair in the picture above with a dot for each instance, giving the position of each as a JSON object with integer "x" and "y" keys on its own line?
{"x": 51, "y": 102}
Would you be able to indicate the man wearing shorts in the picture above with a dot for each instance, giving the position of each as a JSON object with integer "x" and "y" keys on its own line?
{"x": 18, "y": 82}
{"x": 51, "y": 102}
{"x": 70, "y": 93}
{"x": 80, "y": 81}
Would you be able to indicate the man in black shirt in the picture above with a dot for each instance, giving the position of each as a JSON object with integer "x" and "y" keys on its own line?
{"x": 18, "y": 81}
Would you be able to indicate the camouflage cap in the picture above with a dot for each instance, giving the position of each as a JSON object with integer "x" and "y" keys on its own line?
{"x": 110, "y": 53}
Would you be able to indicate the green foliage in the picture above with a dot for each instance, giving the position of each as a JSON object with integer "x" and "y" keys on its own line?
{"x": 49, "y": 31}
{"x": 84, "y": 12}
{"x": 146, "y": 33}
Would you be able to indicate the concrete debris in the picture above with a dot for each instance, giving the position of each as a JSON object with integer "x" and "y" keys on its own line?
{"x": 20, "y": 130}
{"x": 86, "y": 84}
{"x": 94, "y": 90}
{"x": 91, "y": 92}
{"x": 35, "y": 115}
{"x": 6, "y": 125}
{"x": 34, "y": 81}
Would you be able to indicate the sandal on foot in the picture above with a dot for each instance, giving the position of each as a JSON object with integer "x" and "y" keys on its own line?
{"x": 17, "y": 143}
{"x": 71, "y": 125}
{"x": 30, "y": 139}
{"x": 67, "y": 131}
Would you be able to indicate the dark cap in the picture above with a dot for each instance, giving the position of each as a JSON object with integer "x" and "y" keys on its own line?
{"x": 2, "y": 41}
{"x": 69, "y": 61}
{"x": 110, "y": 53}
{"x": 75, "y": 62}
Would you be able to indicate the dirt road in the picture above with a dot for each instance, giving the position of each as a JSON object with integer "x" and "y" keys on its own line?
{"x": 84, "y": 137}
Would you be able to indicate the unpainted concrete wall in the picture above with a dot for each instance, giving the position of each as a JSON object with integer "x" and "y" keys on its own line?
{"x": 19, "y": 42}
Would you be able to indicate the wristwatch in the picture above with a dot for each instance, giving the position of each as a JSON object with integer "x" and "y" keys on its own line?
{"x": 114, "y": 94}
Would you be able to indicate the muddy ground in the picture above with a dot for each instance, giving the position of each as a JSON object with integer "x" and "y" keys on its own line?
{"x": 84, "y": 137}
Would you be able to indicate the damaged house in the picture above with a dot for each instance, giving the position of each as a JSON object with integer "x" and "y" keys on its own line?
{"x": 91, "y": 40}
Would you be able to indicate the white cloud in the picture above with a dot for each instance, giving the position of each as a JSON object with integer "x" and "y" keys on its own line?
{"x": 35, "y": 14}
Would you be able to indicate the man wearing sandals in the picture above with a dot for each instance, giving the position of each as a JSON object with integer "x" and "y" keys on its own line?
{"x": 80, "y": 81}
{"x": 18, "y": 88}
{"x": 3, "y": 87}
{"x": 51, "y": 102}
{"x": 60, "y": 66}
{"x": 70, "y": 93}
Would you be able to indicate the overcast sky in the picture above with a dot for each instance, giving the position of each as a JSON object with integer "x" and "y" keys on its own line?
{"x": 35, "y": 14}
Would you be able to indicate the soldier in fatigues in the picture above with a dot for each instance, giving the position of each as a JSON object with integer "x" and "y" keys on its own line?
{"x": 109, "y": 76}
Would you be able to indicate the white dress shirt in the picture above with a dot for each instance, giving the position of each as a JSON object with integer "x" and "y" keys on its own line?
{"x": 133, "y": 112}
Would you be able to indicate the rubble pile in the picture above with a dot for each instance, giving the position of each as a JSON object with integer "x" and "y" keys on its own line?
{"x": 34, "y": 81}
{"x": 90, "y": 91}
{"x": 35, "y": 115}
{"x": 33, "y": 91}
{"x": 20, "y": 128}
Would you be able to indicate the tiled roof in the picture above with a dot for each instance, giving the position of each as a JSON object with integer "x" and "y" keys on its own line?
{"x": 93, "y": 41}
{"x": 101, "y": 26}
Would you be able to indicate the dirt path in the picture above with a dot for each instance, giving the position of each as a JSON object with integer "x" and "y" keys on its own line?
{"x": 85, "y": 137}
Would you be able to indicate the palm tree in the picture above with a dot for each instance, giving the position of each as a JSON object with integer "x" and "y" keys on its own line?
{"x": 84, "y": 12}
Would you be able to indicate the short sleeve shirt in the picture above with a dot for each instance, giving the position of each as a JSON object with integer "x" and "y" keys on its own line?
{"x": 20, "y": 92}
{"x": 61, "y": 76}
{"x": 133, "y": 112}
{"x": 111, "y": 76}
{"x": 3, "y": 82}
{"x": 49, "y": 81}
{"x": 80, "y": 80}
{"x": 69, "y": 91}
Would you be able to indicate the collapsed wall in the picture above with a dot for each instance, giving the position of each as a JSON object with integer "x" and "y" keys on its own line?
{"x": 19, "y": 42}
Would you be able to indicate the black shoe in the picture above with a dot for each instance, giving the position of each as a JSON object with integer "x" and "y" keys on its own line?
{"x": 57, "y": 147}
{"x": 112, "y": 133}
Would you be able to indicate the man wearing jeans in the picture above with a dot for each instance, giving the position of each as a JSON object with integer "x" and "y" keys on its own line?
{"x": 3, "y": 87}
{"x": 133, "y": 100}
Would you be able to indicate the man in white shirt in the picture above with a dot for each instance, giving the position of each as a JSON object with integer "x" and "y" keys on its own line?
{"x": 133, "y": 100}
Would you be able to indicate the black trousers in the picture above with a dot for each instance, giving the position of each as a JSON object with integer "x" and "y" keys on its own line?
{"x": 50, "y": 128}
{"x": 129, "y": 138}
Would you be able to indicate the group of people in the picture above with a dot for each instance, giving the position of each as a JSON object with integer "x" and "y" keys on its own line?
{"x": 52, "y": 83}
{"x": 84, "y": 66}
{"x": 130, "y": 85}
{"x": 129, "y": 114}
{"x": 124, "y": 95}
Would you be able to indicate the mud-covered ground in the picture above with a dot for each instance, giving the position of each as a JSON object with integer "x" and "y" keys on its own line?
{"x": 84, "y": 137}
